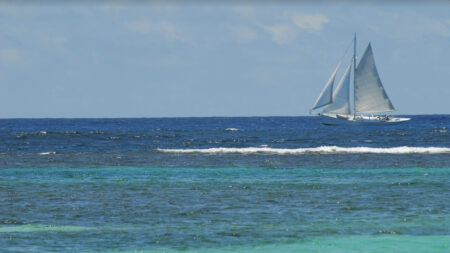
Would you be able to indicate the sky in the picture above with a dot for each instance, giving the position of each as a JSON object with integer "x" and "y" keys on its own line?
{"x": 150, "y": 59}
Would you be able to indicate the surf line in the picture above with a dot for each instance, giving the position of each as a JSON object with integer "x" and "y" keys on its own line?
{"x": 318, "y": 150}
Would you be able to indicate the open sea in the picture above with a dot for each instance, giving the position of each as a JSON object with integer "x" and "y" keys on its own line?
{"x": 241, "y": 184}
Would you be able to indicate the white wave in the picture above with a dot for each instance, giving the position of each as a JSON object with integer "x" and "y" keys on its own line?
{"x": 47, "y": 153}
{"x": 320, "y": 150}
{"x": 232, "y": 129}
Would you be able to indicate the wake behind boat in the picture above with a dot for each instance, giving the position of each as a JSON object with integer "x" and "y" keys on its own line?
{"x": 369, "y": 95}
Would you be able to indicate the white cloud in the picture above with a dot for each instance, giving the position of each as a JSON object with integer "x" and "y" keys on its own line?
{"x": 374, "y": 28}
{"x": 285, "y": 33}
{"x": 166, "y": 29}
{"x": 414, "y": 26}
{"x": 308, "y": 22}
{"x": 10, "y": 56}
{"x": 244, "y": 34}
{"x": 438, "y": 27}
{"x": 281, "y": 34}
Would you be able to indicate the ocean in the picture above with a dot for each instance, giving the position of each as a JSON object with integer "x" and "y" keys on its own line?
{"x": 218, "y": 184}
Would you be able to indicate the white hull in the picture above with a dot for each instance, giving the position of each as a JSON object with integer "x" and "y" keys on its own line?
{"x": 359, "y": 120}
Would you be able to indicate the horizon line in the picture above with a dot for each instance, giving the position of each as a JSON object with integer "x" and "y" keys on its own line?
{"x": 181, "y": 117}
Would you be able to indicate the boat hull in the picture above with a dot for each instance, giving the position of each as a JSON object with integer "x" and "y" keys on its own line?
{"x": 359, "y": 120}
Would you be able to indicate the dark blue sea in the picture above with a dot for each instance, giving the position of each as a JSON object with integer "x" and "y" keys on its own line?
{"x": 218, "y": 184}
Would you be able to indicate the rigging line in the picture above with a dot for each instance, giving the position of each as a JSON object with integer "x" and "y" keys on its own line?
{"x": 346, "y": 50}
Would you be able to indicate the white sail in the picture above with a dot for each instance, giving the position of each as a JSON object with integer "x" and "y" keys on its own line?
{"x": 325, "y": 96}
{"x": 341, "y": 96}
{"x": 370, "y": 96}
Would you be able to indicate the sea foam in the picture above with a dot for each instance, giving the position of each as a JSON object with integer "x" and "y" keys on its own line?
{"x": 47, "y": 153}
{"x": 318, "y": 150}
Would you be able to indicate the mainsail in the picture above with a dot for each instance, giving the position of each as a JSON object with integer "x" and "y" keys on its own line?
{"x": 341, "y": 96}
{"x": 370, "y": 96}
{"x": 326, "y": 96}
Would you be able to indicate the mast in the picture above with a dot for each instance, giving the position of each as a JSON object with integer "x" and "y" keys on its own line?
{"x": 354, "y": 72}
{"x": 354, "y": 53}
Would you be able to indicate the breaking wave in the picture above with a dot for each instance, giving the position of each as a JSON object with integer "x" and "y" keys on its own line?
{"x": 47, "y": 153}
{"x": 318, "y": 150}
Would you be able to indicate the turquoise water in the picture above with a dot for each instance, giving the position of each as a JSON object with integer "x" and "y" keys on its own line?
{"x": 259, "y": 184}
{"x": 225, "y": 210}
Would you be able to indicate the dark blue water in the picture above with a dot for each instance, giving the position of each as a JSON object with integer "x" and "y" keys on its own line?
{"x": 259, "y": 184}
{"x": 31, "y": 143}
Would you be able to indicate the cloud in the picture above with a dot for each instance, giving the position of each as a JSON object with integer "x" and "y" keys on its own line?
{"x": 374, "y": 28}
{"x": 427, "y": 25}
{"x": 308, "y": 22}
{"x": 244, "y": 34}
{"x": 438, "y": 27}
{"x": 10, "y": 56}
{"x": 285, "y": 33}
{"x": 414, "y": 26}
{"x": 166, "y": 29}
{"x": 281, "y": 34}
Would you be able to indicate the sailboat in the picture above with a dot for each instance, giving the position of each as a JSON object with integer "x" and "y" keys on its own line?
{"x": 369, "y": 95}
